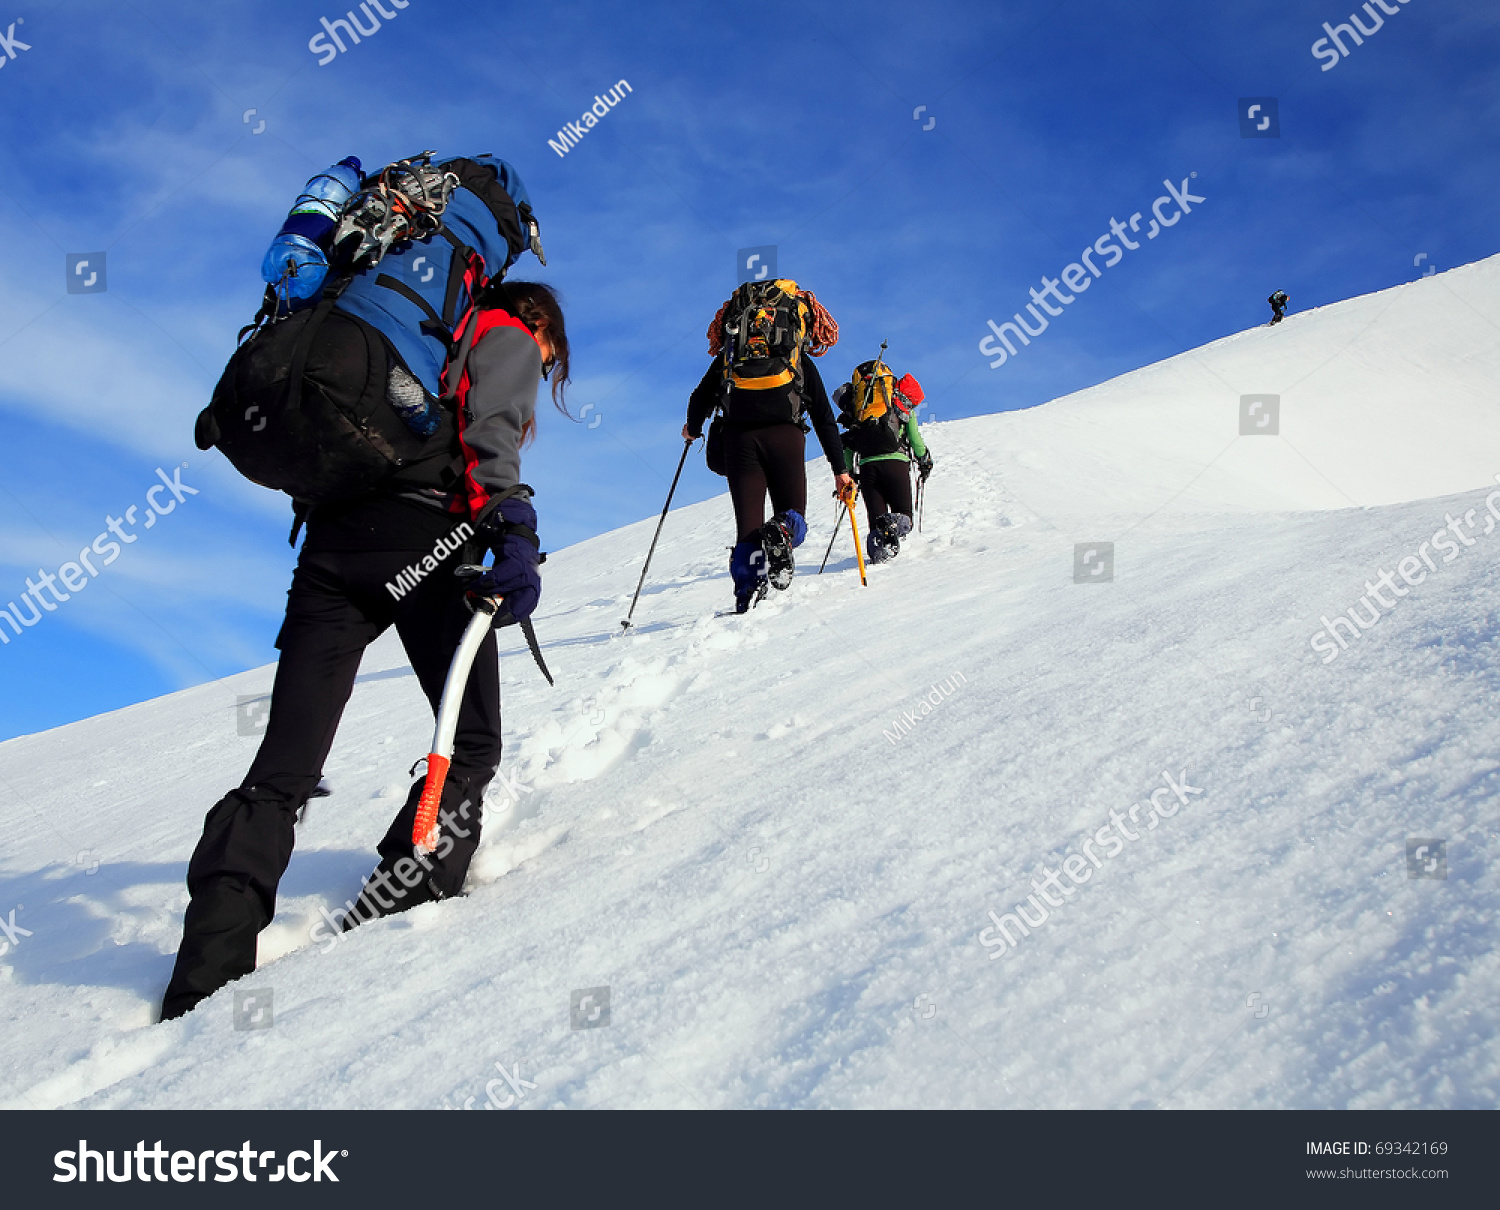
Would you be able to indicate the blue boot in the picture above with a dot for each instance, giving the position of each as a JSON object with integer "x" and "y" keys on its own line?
{"x": 747, "y": 567}
{"x": 778, "y": 537}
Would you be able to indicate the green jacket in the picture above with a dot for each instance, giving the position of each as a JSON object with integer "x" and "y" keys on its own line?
{"x": 913, "y": 437}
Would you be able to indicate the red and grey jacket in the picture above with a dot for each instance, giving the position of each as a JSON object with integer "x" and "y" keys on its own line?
{"x": 492, "y": 380}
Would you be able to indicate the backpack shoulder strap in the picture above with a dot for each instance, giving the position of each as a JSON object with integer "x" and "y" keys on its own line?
{"x": 477, "y": 320}
{"x": 458, "y": 357}
{"x": 466, "y": 272}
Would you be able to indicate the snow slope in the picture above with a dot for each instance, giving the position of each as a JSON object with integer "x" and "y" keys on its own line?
{"x": 788, "y": 895}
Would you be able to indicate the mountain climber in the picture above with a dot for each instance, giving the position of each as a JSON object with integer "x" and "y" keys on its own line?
{"x": 763, "y": 383}
{"x": 881, "y": 440}
{"x": 385, "y": 556}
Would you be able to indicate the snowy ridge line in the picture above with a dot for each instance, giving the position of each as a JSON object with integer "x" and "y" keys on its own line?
{"x": 1339, "y": 369}
{"x": 1083, "y": 873}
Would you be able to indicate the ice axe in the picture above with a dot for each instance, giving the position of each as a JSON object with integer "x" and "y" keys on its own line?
{"x": 859, "y": 551}
{"x": 424, "y": 831}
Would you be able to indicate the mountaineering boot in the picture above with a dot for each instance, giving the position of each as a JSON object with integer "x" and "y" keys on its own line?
{"x": 747, "y": 567}
{"x": 384, "y": 894}
{"x": 404, "y": 878}
{"x": 247, "y": 841}
{"x": 778, "y": 537}
{"x": 744, "y": 602}
{"x": 884, "y": 542}
{"x": 776, "y": 543}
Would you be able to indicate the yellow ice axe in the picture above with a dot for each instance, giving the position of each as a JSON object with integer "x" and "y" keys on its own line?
{"x": 859, "y": 551}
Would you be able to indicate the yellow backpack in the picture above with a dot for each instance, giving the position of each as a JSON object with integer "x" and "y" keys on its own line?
{"x": 872, "y": 392}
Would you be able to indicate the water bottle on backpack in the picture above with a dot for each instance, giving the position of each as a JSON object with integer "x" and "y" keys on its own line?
{"x": 295, "y": 263}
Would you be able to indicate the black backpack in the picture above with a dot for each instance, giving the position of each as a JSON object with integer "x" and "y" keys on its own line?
{"x": 765, "y": 341}
{"x": 302, "y": 408}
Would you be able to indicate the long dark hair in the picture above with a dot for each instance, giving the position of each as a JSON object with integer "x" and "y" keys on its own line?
{"x": 532, "y": 302}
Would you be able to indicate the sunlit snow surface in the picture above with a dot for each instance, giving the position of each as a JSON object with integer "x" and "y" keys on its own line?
{"x": 710, "y": 817}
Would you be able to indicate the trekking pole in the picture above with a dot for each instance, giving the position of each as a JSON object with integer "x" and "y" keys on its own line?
{"x": 424, "y": 830}
{"x": 921, "y": 499}
{"x": 859, "y": 551}
{"x": 681, "y": 462}
{"x": 838, "y": 524}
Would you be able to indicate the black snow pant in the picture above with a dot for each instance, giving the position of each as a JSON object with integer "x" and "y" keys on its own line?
{"x": 886, "y": 487}
{"x": 760, "y": 460}
{"x": 337, "y": 606}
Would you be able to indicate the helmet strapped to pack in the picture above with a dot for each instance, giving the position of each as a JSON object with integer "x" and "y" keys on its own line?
{"x": 405, "y": 201}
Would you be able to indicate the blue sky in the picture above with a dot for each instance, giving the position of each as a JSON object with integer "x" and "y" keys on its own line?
{"x": 127, "y": 129}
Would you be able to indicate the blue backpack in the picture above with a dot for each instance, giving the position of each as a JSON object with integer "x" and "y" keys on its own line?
{"x": 416, "y": 293}
{"x": 327, "y": 399}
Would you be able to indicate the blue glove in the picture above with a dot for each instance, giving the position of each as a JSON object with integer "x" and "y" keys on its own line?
{"x": 510, "y": 531}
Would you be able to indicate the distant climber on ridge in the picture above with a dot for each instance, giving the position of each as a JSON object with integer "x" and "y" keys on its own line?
{"x": 1278, "y": 303}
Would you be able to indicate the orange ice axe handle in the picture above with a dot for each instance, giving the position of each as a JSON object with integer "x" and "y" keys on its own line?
{"x": 424, "y": 831}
